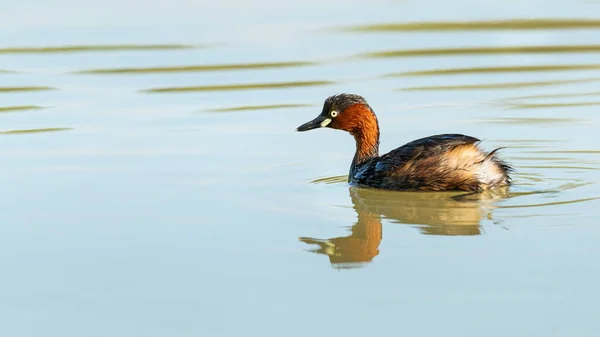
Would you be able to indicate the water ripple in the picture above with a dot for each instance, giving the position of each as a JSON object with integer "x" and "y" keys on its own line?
{"x": 19, "y": 108}
{"x": 516, "y": 24}
{"x": 259, "y": 107}
{"x": 197, "y": 68}
{"x": 567, "y": 151}
{"x": 27, "y": 131}
{"x": 551, "y": 203}
{"x": 331, "y": 180}
{"x": 508, "y": 69}
{"x": 561, "y": 167}
{"x": 25, "y": 89}
{"x": 95, "y": 48}
{"x": 560, "y": 95}
{"x": 553, "y": 105}
{"x": 236, "y": 87}
{"x": 503, "y": 85}
{"x": 483, "y": 51}
{"x": 532, "y": 120}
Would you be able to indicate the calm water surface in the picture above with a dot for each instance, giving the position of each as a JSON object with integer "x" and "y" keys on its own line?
{"x": 154, "y": 185}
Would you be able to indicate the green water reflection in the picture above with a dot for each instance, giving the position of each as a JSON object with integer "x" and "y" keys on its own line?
{"x": 259, "y": 107}
{"x": 237, "y": 87}
{"x": 25, "y": 89}
{"x": 507, "y": 69}
{"x": 503, "y": 85}
{"x": 94, "y": 48}
{"x": 550, "y": 49}
{"x": 513, "y": 24}
{"x": 28, "y": 131}
{"x": 198, "y": 68}
{"x": 19, "y": 108}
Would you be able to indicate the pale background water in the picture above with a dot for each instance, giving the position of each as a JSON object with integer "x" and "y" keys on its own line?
{"x": 165, "y": 192}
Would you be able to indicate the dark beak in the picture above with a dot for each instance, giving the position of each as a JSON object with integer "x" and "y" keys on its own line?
{"x": 316, "y": 123}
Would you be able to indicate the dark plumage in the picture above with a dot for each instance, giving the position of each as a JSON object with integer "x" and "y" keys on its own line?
{"x": 435, "y": 163}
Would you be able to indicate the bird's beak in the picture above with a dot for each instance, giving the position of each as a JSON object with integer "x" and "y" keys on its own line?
{"x": 319, "y": 122}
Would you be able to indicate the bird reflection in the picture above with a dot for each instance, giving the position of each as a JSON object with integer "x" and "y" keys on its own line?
{"x": 432, "y": 213}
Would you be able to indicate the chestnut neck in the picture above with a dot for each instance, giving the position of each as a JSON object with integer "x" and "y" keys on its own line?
{"x": 365, "y": 130}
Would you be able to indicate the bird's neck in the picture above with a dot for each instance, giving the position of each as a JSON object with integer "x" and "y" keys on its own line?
{"x": 366, "y": 136}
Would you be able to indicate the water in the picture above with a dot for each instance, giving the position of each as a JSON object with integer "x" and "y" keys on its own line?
{"x": 154, "y": 185}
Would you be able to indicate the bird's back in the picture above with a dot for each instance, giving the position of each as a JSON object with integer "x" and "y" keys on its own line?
{"x": 435, "y": 163}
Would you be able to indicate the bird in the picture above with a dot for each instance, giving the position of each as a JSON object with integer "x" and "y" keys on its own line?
{"x": 443, "y": 162}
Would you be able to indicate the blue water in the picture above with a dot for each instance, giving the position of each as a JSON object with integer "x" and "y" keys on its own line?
{"x": 157, "y": 213}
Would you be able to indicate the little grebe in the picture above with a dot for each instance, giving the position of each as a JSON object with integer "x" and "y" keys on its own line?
{"x": 436, "y": 163}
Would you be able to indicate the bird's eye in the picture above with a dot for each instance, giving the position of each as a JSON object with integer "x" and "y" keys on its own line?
{"x": 334, "y": 113}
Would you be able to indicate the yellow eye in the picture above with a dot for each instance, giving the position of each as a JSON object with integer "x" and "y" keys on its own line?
{"x": 334, "y": 113}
